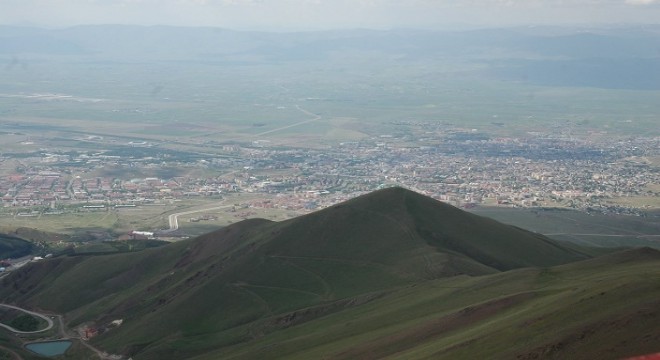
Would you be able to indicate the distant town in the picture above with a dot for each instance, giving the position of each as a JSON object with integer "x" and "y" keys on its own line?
{"x": 460, "y": 166}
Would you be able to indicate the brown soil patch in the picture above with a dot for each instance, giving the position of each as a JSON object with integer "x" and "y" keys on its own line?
{"x": 626, "y": 335}
{"x": 410, "y": 338}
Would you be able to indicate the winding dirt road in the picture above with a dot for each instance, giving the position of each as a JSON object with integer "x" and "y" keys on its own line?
{"x": 46, "y": 318}
{"x": 63, "y": 333}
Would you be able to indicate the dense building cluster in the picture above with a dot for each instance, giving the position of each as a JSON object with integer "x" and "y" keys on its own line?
{"x": 460, "y": 167}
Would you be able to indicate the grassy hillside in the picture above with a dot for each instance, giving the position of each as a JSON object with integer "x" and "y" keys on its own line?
{"x": 13, "y": 247}
{"x": 105, "y": 247}
{"x": 588, "y": 229}
{"x": 605, "y": 308}
{"x": 34, "y": 235}
{"x": 355, "y": 279}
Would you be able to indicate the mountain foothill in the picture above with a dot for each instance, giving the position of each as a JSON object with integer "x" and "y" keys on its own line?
{"x": 390, "y": 274}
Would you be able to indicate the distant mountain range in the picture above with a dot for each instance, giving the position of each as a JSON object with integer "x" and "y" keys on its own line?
{"x": 169, "y": 43}
{"x": 620, "y": 57}
{"x": 388, "y": 274}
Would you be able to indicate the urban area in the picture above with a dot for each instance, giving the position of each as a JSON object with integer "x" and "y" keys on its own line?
{"x": 458, "y": 166}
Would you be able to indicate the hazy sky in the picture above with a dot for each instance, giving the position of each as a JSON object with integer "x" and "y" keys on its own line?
{"x": 324, "y": 14}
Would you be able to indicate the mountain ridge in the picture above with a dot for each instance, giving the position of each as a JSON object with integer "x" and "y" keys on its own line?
{"x": 256, "y": 279}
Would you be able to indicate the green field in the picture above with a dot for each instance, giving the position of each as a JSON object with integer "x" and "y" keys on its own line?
{"x": 582, "y": 228}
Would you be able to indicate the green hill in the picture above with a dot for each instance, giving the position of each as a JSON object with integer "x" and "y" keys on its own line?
{"x": 13, "y": 247}
{"x": 601, "y": 309}
{"x": 385, "y": 274}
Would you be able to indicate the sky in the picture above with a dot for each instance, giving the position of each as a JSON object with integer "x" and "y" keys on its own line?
{"x": 288, "y": 15}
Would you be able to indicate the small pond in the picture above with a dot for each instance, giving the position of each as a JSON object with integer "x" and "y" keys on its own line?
{"x": 49, "y": 348}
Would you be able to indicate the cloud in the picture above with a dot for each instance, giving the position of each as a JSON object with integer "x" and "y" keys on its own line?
{"x": 325, "y": 14}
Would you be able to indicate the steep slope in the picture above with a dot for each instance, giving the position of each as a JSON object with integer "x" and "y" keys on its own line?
{"x": 443, "y": 227}
{"x": 254, "y": 277}
{"x": 605, "y": 308}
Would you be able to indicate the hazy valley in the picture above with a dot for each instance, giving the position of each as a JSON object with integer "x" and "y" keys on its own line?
{"x": 204, "y": 193}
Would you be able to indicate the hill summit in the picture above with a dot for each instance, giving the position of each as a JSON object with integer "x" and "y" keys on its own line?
{"x": 396, "y": 225}
{"x": 254, "y": 279}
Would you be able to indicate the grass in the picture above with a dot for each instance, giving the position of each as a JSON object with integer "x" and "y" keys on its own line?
{"x": 345, "y": 279}
{"x": 114, "y": 222}
{"x": 266, "y": 277}
{"x": 20, "y": 320}
{"x": 567, "y": 307}
{"x": 117, "y": 246}
{"x": 67, "y": 223}
{"x": 280, "y": 300}
{"x": 578, "y": 227}
{"x": 637, "y": 201}
{"x": 286, "y": 274}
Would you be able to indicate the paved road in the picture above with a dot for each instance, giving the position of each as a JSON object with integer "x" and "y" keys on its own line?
{"x": 174, "y": 218}
{"x": 16, "y": 263}
{"x": 48, "y": 320}
{"x": 315, "y": 118}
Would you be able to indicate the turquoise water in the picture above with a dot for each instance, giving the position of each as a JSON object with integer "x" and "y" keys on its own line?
{"x": 49, "y": 348}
